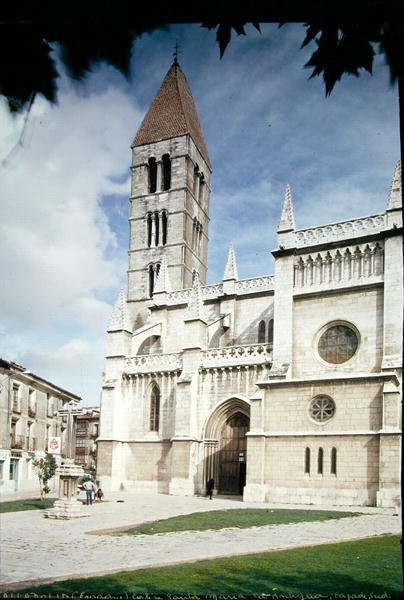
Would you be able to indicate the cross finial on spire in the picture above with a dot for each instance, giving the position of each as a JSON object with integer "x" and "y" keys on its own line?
{"x": 175, "y": 53}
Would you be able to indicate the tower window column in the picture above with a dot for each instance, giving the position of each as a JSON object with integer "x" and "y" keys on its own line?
{"x": 159, "y": 176}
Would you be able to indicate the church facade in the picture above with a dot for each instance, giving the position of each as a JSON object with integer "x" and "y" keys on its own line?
{"x": 284, "y": 388}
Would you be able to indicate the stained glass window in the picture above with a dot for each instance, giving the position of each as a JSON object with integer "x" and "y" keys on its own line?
{"x": 337, "y": 344}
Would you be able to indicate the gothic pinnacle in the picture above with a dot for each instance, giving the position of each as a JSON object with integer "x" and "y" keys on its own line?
{"x": 287, "y": 221}
{"x": 230, "y": 271}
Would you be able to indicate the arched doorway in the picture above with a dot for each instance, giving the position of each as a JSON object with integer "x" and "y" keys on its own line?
{"x": 233, "y": 454}
{"x": 225, "y": 444}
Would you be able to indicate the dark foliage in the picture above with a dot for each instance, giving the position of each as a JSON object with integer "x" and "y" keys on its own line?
{"x": 347, "y": 35}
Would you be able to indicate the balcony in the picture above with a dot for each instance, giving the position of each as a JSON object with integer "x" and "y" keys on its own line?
{"x": 31, "y": 412}
{"x": 251, "y": 354}
{"x": 22, "y": 442}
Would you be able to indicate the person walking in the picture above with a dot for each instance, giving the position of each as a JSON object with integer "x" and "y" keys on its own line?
{"x": 210, "y": 487}
{"x": 90, "y": 489}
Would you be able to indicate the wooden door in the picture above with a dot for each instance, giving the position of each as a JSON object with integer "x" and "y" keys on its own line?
{"x": 233, "y": 454}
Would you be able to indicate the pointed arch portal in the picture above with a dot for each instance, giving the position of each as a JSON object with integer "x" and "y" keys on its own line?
{"x": 226, "y": 446}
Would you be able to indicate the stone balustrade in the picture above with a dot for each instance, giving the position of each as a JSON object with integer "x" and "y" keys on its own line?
{"x": 251, "y": 354}
{"x": 342, "y": 230}
{"x": 150, "y": 363}
{"x": 246, "y": 286}
{"x": 243, "y": 286}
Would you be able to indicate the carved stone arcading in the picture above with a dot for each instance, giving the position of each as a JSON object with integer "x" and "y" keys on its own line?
{"x": 353, "y": 264}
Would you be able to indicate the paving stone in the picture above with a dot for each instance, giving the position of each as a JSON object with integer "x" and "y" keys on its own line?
{"x": 35, "y": 549}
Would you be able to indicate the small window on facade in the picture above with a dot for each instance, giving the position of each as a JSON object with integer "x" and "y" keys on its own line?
{"x": 270, "y": 331}
{"x": 307, "y": 460}
{"x": 152, "y": 174}
{"x": 261, "y": 332}
{"x": 155, "y": 409}
{"x": 166, "y": 161}
{"x": 320, "y": 461}
{"x": 333, "y": 467}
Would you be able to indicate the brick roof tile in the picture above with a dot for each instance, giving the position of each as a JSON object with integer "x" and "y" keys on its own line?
{"x": 172, "y": 113}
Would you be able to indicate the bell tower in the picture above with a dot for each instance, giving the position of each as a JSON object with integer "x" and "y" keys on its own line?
{"x": 170, "y": 192}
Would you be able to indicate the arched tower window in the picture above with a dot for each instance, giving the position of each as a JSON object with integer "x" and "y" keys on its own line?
{"x": 307, "y": 460}
{"x": 261, "y": 332}
{"x": 157, "y": 227}
{"x": 166, "y": 161}
{"x": 320, "y": 461}
{"x": 164, "y": 227}
{"x": 152, "y": 174}
{"x": 154, "y": 408}
{"x": 201, "y": 187}
{"x": 153, "y": 272}
{"x": 333, "y": 466}
{"x": 149, "y": 229}
{"x": 196, "y": 181}
{"x": 270, "y": 331}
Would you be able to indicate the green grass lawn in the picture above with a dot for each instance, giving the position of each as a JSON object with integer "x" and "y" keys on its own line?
{"x": 27, "y": 504}
{"x": 241, "y": 518}
{"x": 371, "y": 568}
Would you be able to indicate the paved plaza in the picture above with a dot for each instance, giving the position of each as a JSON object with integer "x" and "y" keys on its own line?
{"x": 38, "y": 550}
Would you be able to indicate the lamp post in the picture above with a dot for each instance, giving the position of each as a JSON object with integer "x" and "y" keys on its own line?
{"x": 67, "y": 506}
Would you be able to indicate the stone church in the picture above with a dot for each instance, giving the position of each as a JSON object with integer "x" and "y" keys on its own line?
{"x": 284, "y": 388}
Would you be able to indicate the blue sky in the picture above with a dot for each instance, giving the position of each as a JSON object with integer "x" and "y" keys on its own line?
{"x": 64, "y": 189}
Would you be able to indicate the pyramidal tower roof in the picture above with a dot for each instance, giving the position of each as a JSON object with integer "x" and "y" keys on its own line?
{"x": 172, "y": 113}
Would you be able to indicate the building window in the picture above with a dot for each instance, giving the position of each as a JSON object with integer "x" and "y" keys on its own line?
{"x": 261, "y": 332}
{"x": 337, "y": 344}
{"x": 49, "y": 402}
{"x": 31, "y": 402}
{"x": 155, "y": 409}
{"x": 320, "y": 461}
{"x": 166, "y": 162}
{"x": 152, "y": 174}
{"x": 270, "y": 331}
{"x": 333, "y": 466}
{"x": 322, "y": 409}
{"x": 16, "y": 398}
{"x": 307, "y": 460}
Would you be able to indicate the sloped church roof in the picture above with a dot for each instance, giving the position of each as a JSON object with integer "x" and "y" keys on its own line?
{"x": 172, "y": 113}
